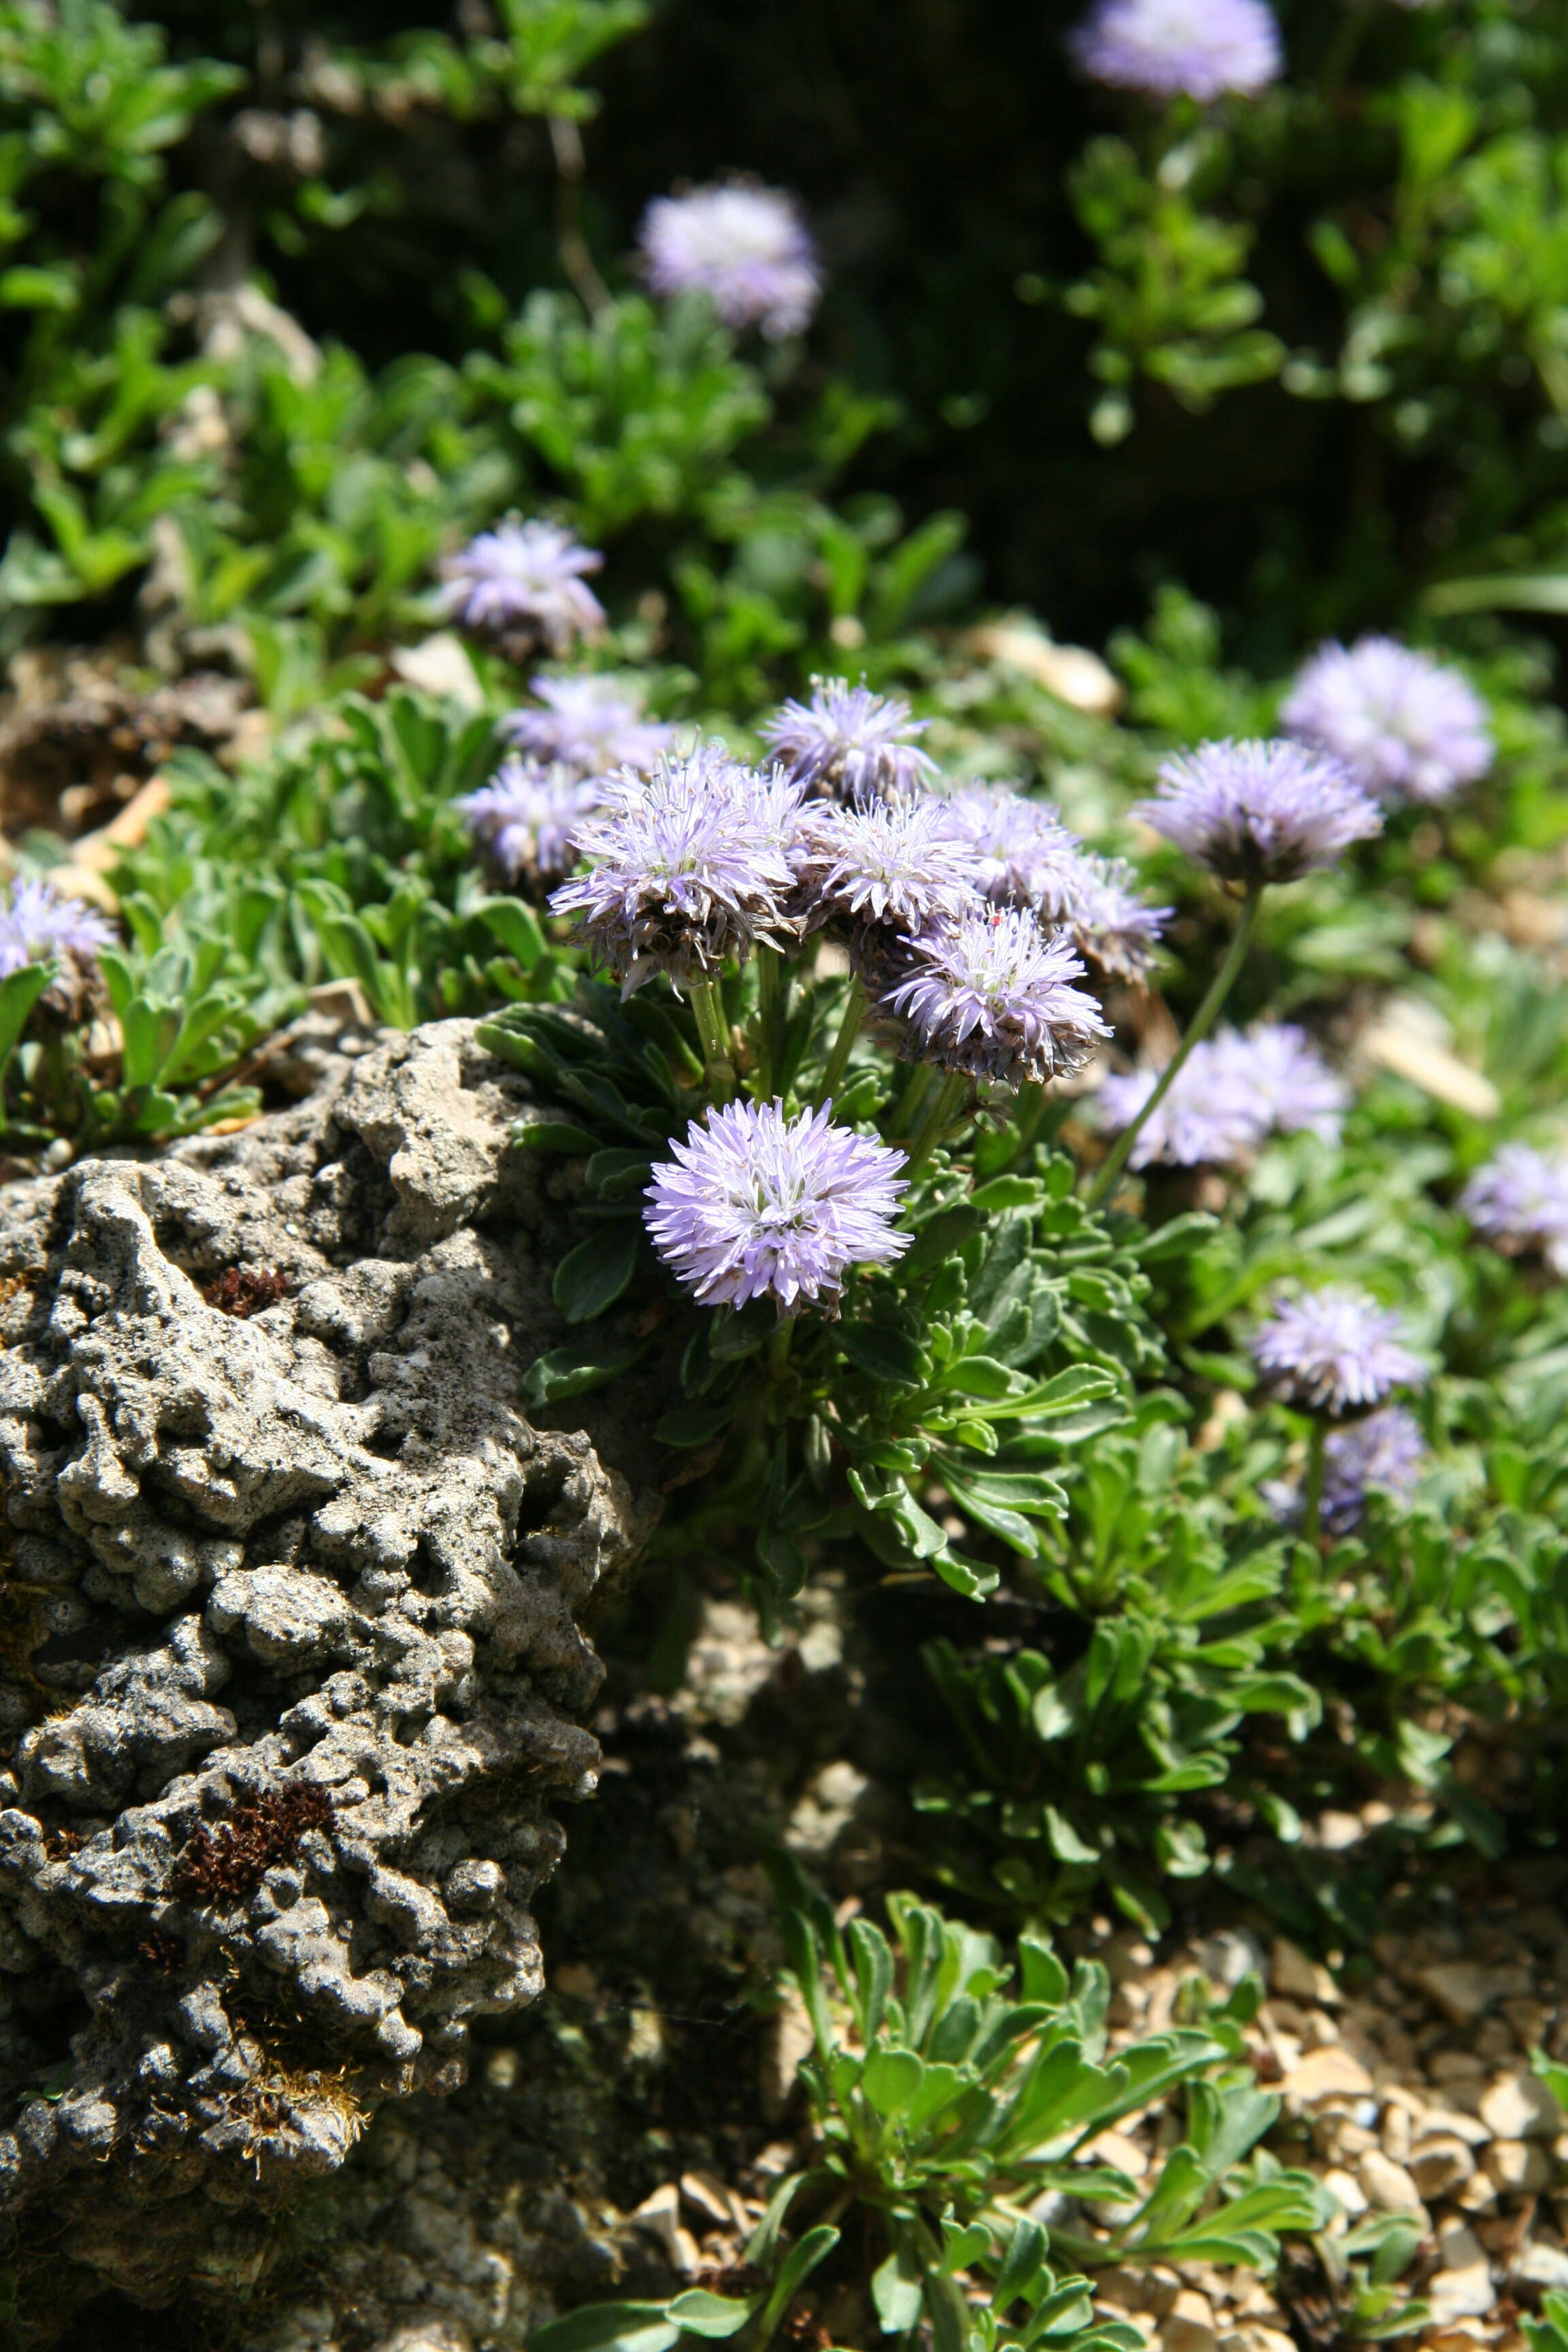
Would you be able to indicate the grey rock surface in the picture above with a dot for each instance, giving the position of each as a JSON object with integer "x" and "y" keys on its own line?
{"x": 292, "y": 1652}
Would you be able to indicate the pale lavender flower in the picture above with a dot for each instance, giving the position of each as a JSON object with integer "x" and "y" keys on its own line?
{"x": 850, "y": 744}
{"x": 1406, "y": 726}
{"x": 521, "y": 584}
{"x": 1519, "y": 1202}
{"x": 1027, "y": 855}
{"x": 1278, "y": 1070}
{"x": 590, "y": 723}
{"x": 1230, "y": 1093}
{"x": 991, "y": 995}
{"x": 1196, "y": 49}
{"x": 1259, "y": 812}
{"x": 902, "y": 865}
{"x": 528, "y": 814}
{"x": 36, "y": 923}
{"x": 1384, "y": 1450}
{"x": 755, "y": 1205}
{"x": 745, "y": 247}
{"x": 1335, "y": 1352}
{"x": 688, "y": 867}
{"x": 1201, "y": 1121}
{"x": 1115, "y": 930}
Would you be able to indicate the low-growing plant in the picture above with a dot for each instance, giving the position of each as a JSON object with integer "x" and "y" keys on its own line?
{"x": 953, "y": 2100}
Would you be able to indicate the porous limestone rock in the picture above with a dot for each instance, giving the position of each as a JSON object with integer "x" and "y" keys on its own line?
{"x": 291, "y": 1655}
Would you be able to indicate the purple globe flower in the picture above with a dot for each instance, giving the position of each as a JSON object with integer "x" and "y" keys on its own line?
{"x": 522, "y": 585}
{"x": 1406, "y": 726}
{"x": 1519, "y": 1202}
{"x": 1116, "y": 932}
{"x": 527, "y": 817}
{"x": 1028, "y": 857}
{"x": 36, "y": 923}
{"x": 688, "y": 867}
{"x": 1230, "y": 1093}
{"x": 1201, "y": 1122}
{"x": 990, "y": 995}
{"x": 1384, "y": 1450}
{"x": 754, "y": 1205}
{"x": 1278, "y": 1070}
{"x": 744, "y": 247}
{"x": 904, "y": 866}
{"x": 1335, "y": 1352}
{"x": 1196, "y": 49}
{"x": 1259, "y": 812}
{"x": 850, "y": 744}
{"x": 592, "y": 724}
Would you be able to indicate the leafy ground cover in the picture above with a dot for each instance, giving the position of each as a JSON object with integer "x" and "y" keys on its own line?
{"x": 1073, "y": 1138}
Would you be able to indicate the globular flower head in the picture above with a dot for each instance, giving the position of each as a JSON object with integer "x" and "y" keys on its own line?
{"x": 527, "y": 817}
{"x": 35, "y": 922}
{"x": 686, "y": 868}
{"x": 850, "y": 744}
{"x": 1384, "y": 1450}
{"x": 992, "y": 996}
{"x": 521, "y": 584}
{"x": 1230, "y": 1093}
{"x": 1028, "y": 858}
{"x": 1196, "y": 49}
{"x": 1197, "y": 1123}
{"x": 1278, "y": 1070}
{"x": 1519, "y": 1202}
{"x": 901, "y": 866}
{"x": 1406, "y": 726}
{"x": 1115, "y": 930}
{"x": 745, "y": 247}
{"x": 757, "y": 1205}
{"x": 1259, "y": 812}
{"x": 1335, "y": 1352}
{"x": 590, "y": 723}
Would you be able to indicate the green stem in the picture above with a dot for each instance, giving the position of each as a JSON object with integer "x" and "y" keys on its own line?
{"x": 713, "y": 1031}
{"x": 914, "y": 1094}
{"x": 1313, "y": 1505}
{"x": 844, "y": 1044}
{"x": 771, "y": 981}
{"x": 1203, "y": 1019}
{"x": 944, "y": 1110}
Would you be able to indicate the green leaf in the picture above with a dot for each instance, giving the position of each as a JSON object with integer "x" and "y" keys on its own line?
{"x": 696, "y": 1424}
{"x": 1009, "y": 1193}
{"x": 19, "y": 991}
{"x": 886, "y": 1353}
{"x": 553, "y": 1135}
{"x": 897, "y": 2291}
{"x": 703, "y": 2314}
{"x": 593, "y": 1276}
{"x": 569, "y": 1372}
{"x": 890, "y": 2080}
{"x": 516, "y": 926}
{"x": 609, "y": 2327}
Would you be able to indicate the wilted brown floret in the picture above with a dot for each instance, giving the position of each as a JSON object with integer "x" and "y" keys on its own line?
{"x": 247, "y": 1289}
{"x": 232, "y": 1860}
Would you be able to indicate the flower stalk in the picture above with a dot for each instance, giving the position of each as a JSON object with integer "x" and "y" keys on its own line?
{"x": 714, "y": 1032}
{"x": 1203, "y": 1021}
